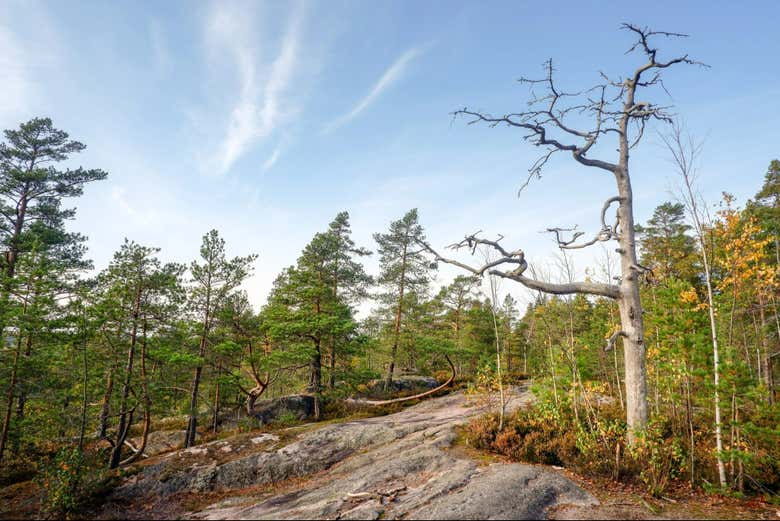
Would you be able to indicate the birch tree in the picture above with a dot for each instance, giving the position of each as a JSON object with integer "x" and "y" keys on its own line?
{"x": 684, "y": 151}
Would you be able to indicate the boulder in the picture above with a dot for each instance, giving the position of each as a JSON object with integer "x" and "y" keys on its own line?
{"x": 296, "y": 406}
{"x": 404, "y": 382}
{"x": 161, "y": 441}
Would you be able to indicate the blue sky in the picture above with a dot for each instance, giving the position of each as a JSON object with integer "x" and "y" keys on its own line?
{"x": 264, "y": 119}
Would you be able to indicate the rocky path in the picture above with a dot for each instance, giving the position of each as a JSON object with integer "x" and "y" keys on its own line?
{"x": 398, "y": 466}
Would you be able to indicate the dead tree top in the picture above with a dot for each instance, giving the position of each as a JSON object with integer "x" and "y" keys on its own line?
{"x": 613, "y": 108}
{"x": 608, "y": 103}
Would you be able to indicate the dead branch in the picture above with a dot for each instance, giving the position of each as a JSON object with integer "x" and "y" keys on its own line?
{"x": 606, "y": 233}
{"x": 517, "y": 257}
{"x": 610, "y": 104}
{"x": 383, "y": 496}
{"x": 612, "y": 339}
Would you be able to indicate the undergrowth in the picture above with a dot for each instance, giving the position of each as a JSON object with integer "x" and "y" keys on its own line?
{"x": 593, "y": 443}
{"x": 70, "y": 481}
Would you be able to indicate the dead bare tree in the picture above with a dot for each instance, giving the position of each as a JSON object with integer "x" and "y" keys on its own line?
{"x": 615, "y": 111}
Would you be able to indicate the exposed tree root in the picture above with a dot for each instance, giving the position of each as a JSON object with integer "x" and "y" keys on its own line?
{"x": 409, "y": 398}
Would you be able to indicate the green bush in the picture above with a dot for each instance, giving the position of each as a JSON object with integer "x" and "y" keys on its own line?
{"x": 69, "y": 482}
{"x": 549, "y": 436}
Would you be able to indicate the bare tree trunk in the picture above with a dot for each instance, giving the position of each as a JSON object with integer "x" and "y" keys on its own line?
{"x": 684, "y": 155}
{"x": 10, "y": 402}
{"x": 125, "y": 417}
{"x": 192, "y": 422}
{"x": 397, "y": 325}
{"x": 629, "y": 303}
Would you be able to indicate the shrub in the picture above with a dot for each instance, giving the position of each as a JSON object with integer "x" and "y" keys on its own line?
{"x": 594, "y": 446}
{"x": 17, "y": 470}
{"x": 662, "y": 456}
{"x": 287, "y": 417}
{"x": 526, "y": 437}
{"x": 69, "y": 482}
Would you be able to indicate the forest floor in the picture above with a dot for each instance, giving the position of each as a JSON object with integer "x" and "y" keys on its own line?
{"x": 412, "y": 464}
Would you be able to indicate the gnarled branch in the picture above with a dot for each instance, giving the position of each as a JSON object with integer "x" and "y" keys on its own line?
{"x": 518, "y": 257}
{"x": 612, "y": 339}
{"x": 606, "y": 233}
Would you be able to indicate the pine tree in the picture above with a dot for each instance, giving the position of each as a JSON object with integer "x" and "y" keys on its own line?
{"x": 667, "y": 247}
{"x": 213, "y": 281}
{"x": 349, "y": 279}
{"x": 404, "y": 270}
{"x": 134, "y": 293}
{"x": 32, "y": 221}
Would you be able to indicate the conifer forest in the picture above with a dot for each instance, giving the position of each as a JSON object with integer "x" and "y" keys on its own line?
{"x": 644, "y": 379}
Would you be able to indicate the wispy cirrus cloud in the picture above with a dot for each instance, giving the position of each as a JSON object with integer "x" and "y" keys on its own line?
{"x": 258, "y": 111}
{"x": 140, "y": 217}
{"x": 16, "y": 83}
{"x": 273, "y": 158}
{"x": 390, "y": 76}
{"x": 31, "y": 53}
{"x": 160, "y": 54}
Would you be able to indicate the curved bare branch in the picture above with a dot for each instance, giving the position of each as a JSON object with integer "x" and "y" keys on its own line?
{"x": 518, "y": 257}
{"x": 606, "y": 233}
{"x": 612, "y": 339}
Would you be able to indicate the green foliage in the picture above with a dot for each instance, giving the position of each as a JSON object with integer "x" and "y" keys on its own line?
{"x": 548, "y": 435}
{"x": 145, "y": 326}
{"x": 662, "y": 456}
{"x": 70, "y": 482}
{"x": 667, "y": 246}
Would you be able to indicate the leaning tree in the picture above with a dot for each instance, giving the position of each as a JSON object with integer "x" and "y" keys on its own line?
{"x": 614, "y": 111}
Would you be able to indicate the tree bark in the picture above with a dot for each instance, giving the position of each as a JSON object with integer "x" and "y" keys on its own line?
{"x": 766, "y": 354}
{"x": 629, "y": 303}
{"x": 125, "y": 418}
{"x": 105, "y": 409}
{"x": 192, "y": 422}
{"x": 397, "y": 325}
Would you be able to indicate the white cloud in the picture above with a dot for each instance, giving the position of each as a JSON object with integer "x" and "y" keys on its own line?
{"x": 390, "y": 76}
{"x": 258, "y": 111}
{"x": 143, "y": 218}
{"x": 160, "y": 52}
{"x": 274, "y": 157}
{"x": 17, "y": 87}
